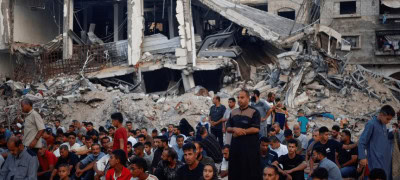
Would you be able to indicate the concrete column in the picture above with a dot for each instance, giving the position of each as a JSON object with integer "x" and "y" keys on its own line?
{"x": 171, "y": 20}
{"x": 186, "y": 31}
{"x": 135, "y": 30}
{"x": 188, "y": 80}
{"x": 118, "y": 15}
{"x": 68, "y": 25}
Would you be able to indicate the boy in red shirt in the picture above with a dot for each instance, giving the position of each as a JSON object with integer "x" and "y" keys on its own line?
{"x": 120, "y": 135}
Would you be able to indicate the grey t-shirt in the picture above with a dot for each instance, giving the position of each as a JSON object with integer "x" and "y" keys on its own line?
{"x": 262, "y": 107}
{"x": 332, "y": 168}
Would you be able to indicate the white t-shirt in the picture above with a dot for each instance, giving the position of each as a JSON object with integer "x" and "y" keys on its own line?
{"x": 282, "y": 150}
{"x": 224, "y": 165}
{"x": 75, "y": 146}
{"x": 101, "y": 164}
{"x": 269, "y": 119}
{"x": 132, "y": 140}
{"x": 151, "y": 177}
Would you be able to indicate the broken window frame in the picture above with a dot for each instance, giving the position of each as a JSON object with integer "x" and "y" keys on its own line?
{"x": 358, "y": 36}
{"x": 337, "y": 10}
{"x": 379, "y": 50}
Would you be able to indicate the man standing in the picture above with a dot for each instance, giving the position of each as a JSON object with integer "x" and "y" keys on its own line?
{"x": 263, "y": 108}
{"x": 347, "y": 159}
{"x": 33, "y": 126}
{"x": 193, "y": 169}
{"x": 293, "y": 164}
{"x": 216, "y": 117}
{"x": 227, "y": 114}
{"x": 270, "y": 102}
{"x": 120, "y": 135}
{"x": 244, "y": 124}
{"x": 21, "y": 163}
{"x": 374, "y": 139}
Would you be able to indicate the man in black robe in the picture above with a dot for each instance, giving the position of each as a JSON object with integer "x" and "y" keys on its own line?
{"x": 244, "y": 124}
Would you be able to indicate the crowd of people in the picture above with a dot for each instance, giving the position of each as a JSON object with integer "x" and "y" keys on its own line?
{"x": 249, "y": 142}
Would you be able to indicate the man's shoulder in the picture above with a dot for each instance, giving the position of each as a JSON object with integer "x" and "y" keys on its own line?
{"x": 272, "y": 153}
{"x": 29, "y": 153}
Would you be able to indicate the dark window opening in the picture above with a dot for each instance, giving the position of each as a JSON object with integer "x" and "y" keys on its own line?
{"x": 261, "y": 7}
{"x": 348, "y": 7}
{"x": 124, "y": 80}
{"x": 211, "y": 80}
{"x": 160, "y": 80}
{"x": 288, "y": 14}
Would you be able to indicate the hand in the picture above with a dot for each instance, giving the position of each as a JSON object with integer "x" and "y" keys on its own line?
{"x": 288, "y": 172}
{"x": 223, "y": 130}
{"x": 78, "y": 173}
{"x": 363, "y": 162}
{"x": 263, "y": 119}
{"x": 100, "y": 173}
{"x": 339, "y": 166}
{"x": 224, "y": 120}
{"x": 238, "y": 132}
{"x": 33, "y": 143}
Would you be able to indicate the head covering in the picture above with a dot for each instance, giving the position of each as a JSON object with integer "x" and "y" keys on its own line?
{"x": 185, "y": 127}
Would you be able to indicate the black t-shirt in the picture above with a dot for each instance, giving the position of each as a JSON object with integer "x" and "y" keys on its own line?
{"x": 267, "y": 160}
{"x": 216, "y": 113}
{"x": 289, "y": 164}
{"x": 331, "y": 147}
{"x": 72, "y": 159}
{"x": 345, "y": 155}
{"x": 184, "y": 173}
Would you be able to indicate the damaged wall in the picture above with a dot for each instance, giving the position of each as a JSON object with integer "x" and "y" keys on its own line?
{"x": 363, "y": 23}
{"x": 35, "y": 26}
{"x": 4, "y": 24}
{"x": 6, "y": 66}
{"x": 275, "y": 6}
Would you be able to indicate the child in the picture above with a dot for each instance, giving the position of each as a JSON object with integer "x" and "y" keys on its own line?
{"x": 303, "y": 122}
{"x": 203, "y": 123}
{"x": 63, "y": 172}
{"x": 281, "y": 114}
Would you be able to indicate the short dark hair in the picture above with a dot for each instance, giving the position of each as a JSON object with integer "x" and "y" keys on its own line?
{"x": 144, "y": 129}
{"x": 129, "y": 143}
{"x": 300, "y": 111}
{"x": 336, "y": 128}
{"x": 179, "y": 136}
{"x": 257, "y": 93}
{"x": 270, "y": 94}
{"x": 154, "y": 131}
{"x": 95, "y": 144}
{"x": 164, "y": 129}
{"x": 277, "y": 99}
{"x": 293, "y": 141}
{"x": 71, "y": 134}
{"x": 320, "y": 150}
{"x": 57, "y": 120}
{"x": 171, "y": 153}
{"x": 265, "y": 139}
{"x": 320, "y": 173}
{"x": 232, "y": 99}
{"x": 140, "y": 163}
{"x": 105, "y": 137}
{"x": 64, "y": 165}
{"x": 164, "y": 139}
{"x": 272, "y": 129}
{"x": 189, "y": 146}
{"x": 323, "y": 129}
{"x": 274, "y": 139}
{"x": 138, "y": 145}
{"x": 202, "y": 130}
{"x": 142, "y": 136}
{"x": 226, "y": 146}
{"x": 246, "y": 92}
{"x": 111, "y": 127}
{"x": 387, "y": 110}
{"x": 128, "y": 122}
{"x": 377, "y": 173}
{"x": 27, "y": 101}
{"x": 147, "y": 143}
{"x": 117, "y": 116}
{"x": 133, "y": 132}
{"x": 218, "y": 98}
{"x": 121, "y": 155}
{"x": 89, "y": 123}
{"x": 64, "y": 147}
{"x": 72, "y": 126}
{"x": 347, "y": 132}
{"x": 274, "y": 168}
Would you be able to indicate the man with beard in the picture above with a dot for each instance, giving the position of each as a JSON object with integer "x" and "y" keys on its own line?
{"x": 244, "y": 124}
{"x": 320, "y": 156}
{"x": 263, "y": 108}
{"x": 231, "y": 105}
{"x": 162, "y": 143}
{"x": 201, "y": 157}
{"x": 84, "y": 169}
{"x": 168, "y": 166}
{"x": 225, "y": 161}
{"x": 267, "y": 156}
{"x": 193, "y": 169}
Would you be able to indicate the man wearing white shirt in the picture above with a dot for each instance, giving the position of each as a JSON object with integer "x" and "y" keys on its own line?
{"x": 279, "y": 148}
{"x": 102, "y": 164}
{"x": 71, "y": 144}
{"x": 131, "y": 137}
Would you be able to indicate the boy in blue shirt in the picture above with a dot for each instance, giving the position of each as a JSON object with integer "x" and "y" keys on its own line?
{"x": 303, "y": 121}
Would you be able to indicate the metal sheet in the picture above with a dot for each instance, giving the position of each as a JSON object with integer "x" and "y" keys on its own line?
{"x": 391, "y": 3}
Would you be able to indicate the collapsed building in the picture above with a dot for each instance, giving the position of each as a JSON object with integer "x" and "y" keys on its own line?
{"x": 160, "y": 61}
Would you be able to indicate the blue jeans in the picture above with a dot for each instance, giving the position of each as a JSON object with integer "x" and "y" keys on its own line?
{"x": 348, "y": 171}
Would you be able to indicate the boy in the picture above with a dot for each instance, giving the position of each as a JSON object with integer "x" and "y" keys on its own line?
{"x": 303, "y": 122}
{"x": 63, "y": 172}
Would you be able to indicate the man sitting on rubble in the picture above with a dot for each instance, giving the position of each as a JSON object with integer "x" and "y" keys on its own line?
{"x": 102, "y": 165}
{"x": 47, "y": 161}
{"x": 71, "y": 144}
{"x": 84, "y": 169}
{"x": 279, "y": 133}
{"x": 66, "y": 157}
{"x": 21, "y": 163}
{"x": 279, "y": 148}
{"x": 289, "y": 136}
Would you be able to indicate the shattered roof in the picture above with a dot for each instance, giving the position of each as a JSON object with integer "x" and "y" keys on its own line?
{"x": 267, "y": 26}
